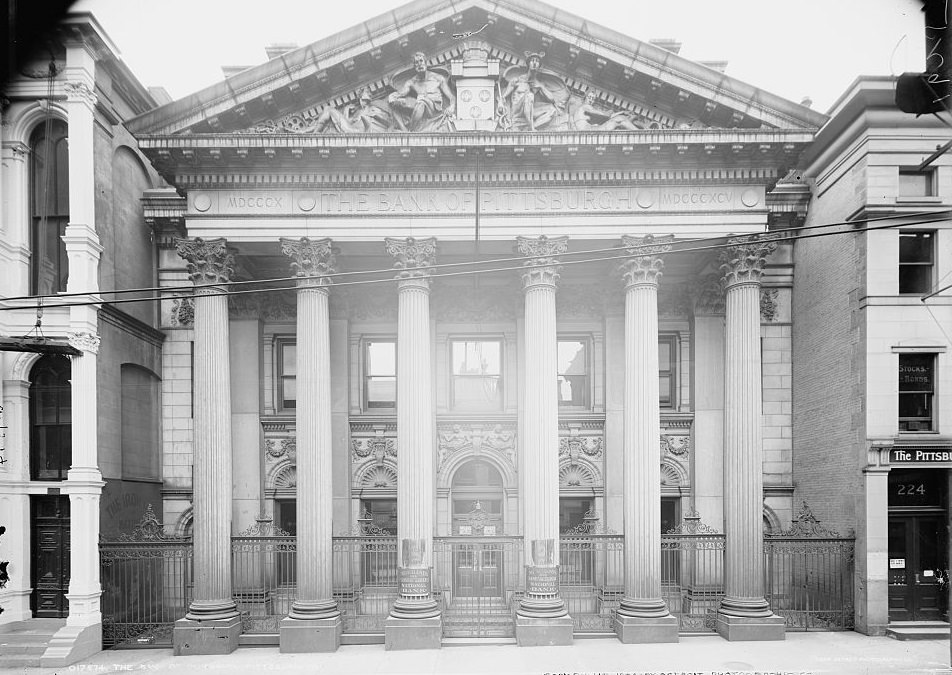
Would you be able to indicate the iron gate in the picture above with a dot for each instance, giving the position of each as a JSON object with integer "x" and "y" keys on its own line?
{"x": 592, "y": 579}
{"x": 478, "y": 581}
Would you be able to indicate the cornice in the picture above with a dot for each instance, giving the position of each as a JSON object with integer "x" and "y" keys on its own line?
{"x": 124, "y": 322}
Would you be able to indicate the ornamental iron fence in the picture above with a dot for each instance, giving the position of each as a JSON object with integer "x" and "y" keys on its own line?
{"x": 692, "y": 574}
{"x": 808, "y": 575}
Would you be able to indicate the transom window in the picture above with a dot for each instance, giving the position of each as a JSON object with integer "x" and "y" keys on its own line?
{"x": 574, "y": 372}
{"x": 915, "y": 261}
{"x": 477, "y": 374}
{"x": 287, "y": 375}
{"x": 916, "y": 390}
{"x": 380, "y": 374}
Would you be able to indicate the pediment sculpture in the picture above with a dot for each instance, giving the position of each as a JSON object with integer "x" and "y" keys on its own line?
{"x": 442, "y": 99}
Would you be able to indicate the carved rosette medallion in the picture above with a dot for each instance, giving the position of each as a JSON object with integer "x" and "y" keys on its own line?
{"x": 675, "y": 445}
{"x": 742, "y": 262}
{"x": 646, "y": 263}
{"x": 209, "y": 261}
{"x": 276, "y": 448}
{"x": 86, "y": 342}
{"x": 414, "y": 258}
{"x": 312, "y": 260}
{"x": 542, "y": 267}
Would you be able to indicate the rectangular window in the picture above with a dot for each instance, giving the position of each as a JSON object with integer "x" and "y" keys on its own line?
{"x": 916, "y": 184}
{"x": 380, "y": 374}
{"x": 477, "y": 374}
{"x": 573, "y": 373}
{"x": 667, "y": 371}
{"x": 916, "y": 389}
{"x": 287, "y": 375}
{"x": 915, "y": 262}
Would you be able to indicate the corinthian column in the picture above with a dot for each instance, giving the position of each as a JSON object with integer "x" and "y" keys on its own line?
{"x": 314, "y": 623}
{"x": 744, "y": 613}
{"x": 642, "y": 615}
{"x": 414, "y": 621}
{"x": 542, "y": 618}
{"x": 212, "y": 624}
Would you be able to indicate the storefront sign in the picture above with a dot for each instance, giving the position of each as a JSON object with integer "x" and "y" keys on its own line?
{"x": 897, "y": 563}
{"x": 913, "y": 456}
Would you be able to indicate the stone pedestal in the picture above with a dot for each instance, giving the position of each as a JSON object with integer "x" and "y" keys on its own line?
{"x": 414, "y": 621}
{"x": 212, "y": 623}
{"x": 300, "y": 636}
{"x": 744, "y": 613}
{"x": 211, "y": 636}
{"x": 553, "y": 632}
{"x": 642, "y": 614}
{"x": 313, "y": 624}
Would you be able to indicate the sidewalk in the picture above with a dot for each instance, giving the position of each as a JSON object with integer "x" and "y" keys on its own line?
{"x": 799, "y": 653}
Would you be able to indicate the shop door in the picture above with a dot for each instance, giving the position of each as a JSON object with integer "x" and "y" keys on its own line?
{"x": 478, "y": 571}
{"x": 49, "y": 567}
{"x": 917, "y": 561}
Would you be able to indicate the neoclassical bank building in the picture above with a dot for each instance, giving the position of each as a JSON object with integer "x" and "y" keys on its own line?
{"x": 477, "y": 323}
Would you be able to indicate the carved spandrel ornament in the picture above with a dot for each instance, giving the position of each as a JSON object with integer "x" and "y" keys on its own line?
{"x": 475, "y": 439}
{"x": 574, "y": 447}
{"x": 768, "y": 304}
{"x": 744, "y": 259}
{"x": 414, "y": 257}
{"x": 182, "y": 313}
{"x": 376, "y": 449}
{"x": 312, "y": 260}
{"x": 679, "y": 446}
{"x": 276, "y": 449}
{"x": 646, "y": 264}
{"x": 209, "y": 261}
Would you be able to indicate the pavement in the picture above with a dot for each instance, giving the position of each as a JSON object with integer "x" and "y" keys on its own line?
{"x": 799, "y": 654}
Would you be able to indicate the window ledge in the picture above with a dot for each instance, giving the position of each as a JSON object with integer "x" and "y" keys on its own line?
{"x": 934, "y": 199}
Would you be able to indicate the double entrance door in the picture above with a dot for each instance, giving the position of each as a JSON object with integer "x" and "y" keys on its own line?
{"x": 477, "y": 571}
{"x": 475, "y": 576}
{"x": 918, "y": 568}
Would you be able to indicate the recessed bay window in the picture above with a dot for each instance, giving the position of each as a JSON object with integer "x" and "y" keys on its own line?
{"x": 476, "y": 374}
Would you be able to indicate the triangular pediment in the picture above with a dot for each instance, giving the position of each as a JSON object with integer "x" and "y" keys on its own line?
{"x": 477, "y": 78}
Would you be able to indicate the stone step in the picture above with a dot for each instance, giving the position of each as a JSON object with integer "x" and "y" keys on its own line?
{"x": 918, "y": 630}
{"x": 19, "y": 661}
{"x": 21, "y": 649}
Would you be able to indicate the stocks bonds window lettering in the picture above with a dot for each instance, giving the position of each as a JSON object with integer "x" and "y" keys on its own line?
{"x": 916, "y": 390}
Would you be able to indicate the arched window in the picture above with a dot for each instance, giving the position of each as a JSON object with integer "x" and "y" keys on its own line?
{"x": 49, "y": 207}
{"x": 50, "y": 419}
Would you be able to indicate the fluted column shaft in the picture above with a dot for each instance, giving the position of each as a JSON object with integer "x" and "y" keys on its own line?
{"x": 415, "y": 423}
{"x": 642, "y": 430}
{"x": 539, "y": 462}
{"x": 743, "y": 439}
{"x": 210, "y": 262}
{"x": 315, "y": 573}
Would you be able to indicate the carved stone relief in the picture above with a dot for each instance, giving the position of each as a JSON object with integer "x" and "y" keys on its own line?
{"x": 476, "y": 439}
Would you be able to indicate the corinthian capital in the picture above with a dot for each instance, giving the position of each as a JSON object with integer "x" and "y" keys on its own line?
{"x": 208, "y": 260}
{"x": 311, "y": 260}
{"x": 645, "y": 265}
{"x": 744, "y": 259}
{"x": 84, "y": 342}
{"x": 413, "y": 256}
{"x": 542, "y": 266}
{"x": 80, "y": 91}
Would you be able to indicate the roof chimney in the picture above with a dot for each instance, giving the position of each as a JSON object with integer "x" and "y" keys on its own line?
{"x": 807, "y": 102}
{"x": 229, "y": 71}
{"x": 719, "y": 66}
{"x": 276, "y": 49}
{"x": 672, "y": 45}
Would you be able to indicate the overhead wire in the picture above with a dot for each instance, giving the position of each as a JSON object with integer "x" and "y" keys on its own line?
{"x": 208, "y": 290}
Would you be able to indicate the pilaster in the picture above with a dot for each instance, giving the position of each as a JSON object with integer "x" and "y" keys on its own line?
{"x": 642, "y": 614}
{"x": 314, "y": 623}
{"x": 415, "y": 621}
{"x": 744, "y": 613}
{"x": 212, "y": 623}
{"x": 542, "y": 618}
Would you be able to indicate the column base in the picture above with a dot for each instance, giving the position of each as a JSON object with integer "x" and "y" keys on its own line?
{"x": 215, "y": 636}
{"x": 636, "y": 630}
{"x": 413, "y": 633}
{"x": 744, "y": 628}
{"x": 298, "y": 636}
{"x": 555, "y": 632}
{"x": 72, "y": 643}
